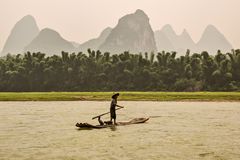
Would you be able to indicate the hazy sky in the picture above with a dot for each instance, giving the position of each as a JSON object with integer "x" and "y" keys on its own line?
{"x": 80, "y": 20}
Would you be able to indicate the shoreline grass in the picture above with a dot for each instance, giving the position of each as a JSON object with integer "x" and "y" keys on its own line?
{"x": 124, "y": 96}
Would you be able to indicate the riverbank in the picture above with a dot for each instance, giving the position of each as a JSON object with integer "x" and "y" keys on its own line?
{"x": 125, "y": 96}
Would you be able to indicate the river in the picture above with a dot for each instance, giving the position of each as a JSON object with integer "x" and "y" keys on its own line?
{"x": 178, "y": 130}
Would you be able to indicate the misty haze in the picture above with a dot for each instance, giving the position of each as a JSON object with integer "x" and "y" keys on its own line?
{"x": 119, "y": 80}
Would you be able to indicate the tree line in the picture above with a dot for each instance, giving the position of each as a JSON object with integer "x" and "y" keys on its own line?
{"x": 96, "y": 71}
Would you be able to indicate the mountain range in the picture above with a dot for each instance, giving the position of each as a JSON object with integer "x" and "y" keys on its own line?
{"x": 132, "y": 33}
{"x": 211, "y": 40}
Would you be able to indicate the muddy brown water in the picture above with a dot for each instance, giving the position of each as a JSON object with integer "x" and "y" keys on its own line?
{"x": 178, "y": 130}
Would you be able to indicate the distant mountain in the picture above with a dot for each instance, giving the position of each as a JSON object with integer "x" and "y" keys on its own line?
{"x": 75, "y": 44}
{"x": 168, "y": 31}
{"x": 21, "y": 35}
{"x": 162, "y": 42}
{"x": 95, "y": 43}
{"x": 133, "y": 33}
{"x": 212, "y": 40}
{"x": 168, "y": 40}
{"x": 185, "y": 42}
{"x": 165, "y": 38}
{"x": 50, "y": 42}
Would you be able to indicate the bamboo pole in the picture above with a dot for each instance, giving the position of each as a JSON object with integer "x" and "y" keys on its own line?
{"x": 105, "y": 113}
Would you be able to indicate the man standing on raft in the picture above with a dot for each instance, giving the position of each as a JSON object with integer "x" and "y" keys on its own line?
{"x": 113, "y": 107}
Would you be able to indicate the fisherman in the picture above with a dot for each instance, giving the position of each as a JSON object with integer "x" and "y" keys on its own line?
{"x": 113, "y": 108}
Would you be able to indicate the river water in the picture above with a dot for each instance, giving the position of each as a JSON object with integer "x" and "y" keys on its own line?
{"x": 178, "y": 130}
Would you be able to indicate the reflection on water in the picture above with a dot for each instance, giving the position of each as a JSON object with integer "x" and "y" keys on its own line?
{"x": 113, "y": 128}
{"x": 176, "y": 130}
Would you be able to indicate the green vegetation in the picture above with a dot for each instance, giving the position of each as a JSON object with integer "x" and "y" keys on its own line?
{"x": 127, "y": 96}
{"x": 34, "y": 72}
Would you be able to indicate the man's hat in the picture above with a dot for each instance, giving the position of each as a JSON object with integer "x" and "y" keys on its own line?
{"x": 115, "y": 95}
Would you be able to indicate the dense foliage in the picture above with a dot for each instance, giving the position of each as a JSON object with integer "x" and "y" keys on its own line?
{"x": 98, "y": 71}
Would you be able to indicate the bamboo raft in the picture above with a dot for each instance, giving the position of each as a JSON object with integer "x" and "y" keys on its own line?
{"x": 106, "y": 125}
